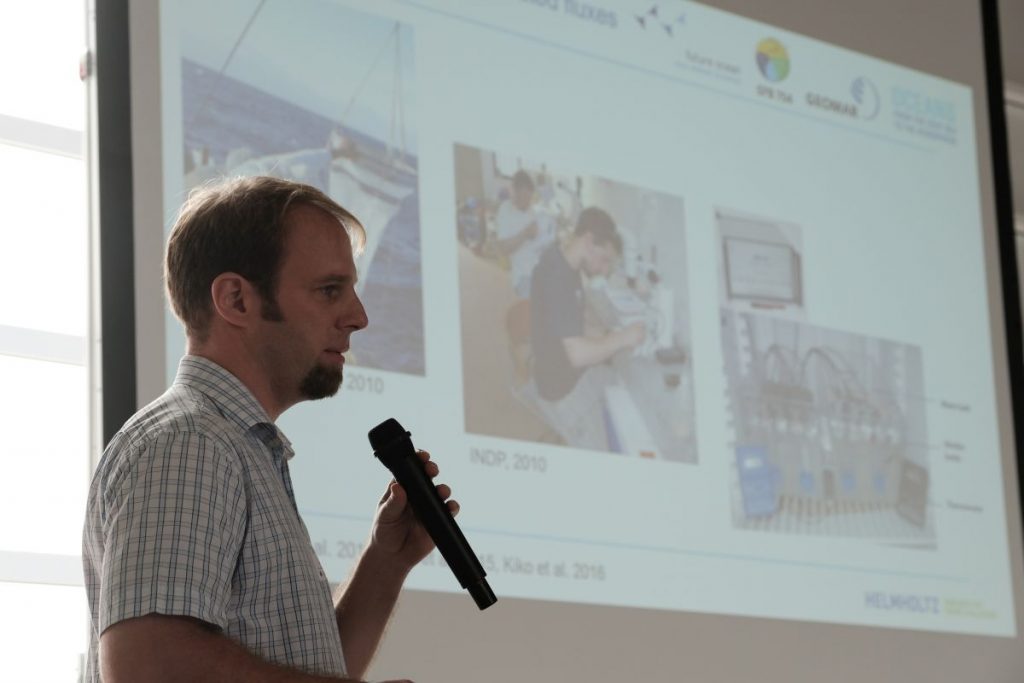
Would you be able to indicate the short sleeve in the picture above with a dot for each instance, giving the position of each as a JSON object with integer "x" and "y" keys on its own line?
{"x": 509, "y": 221}
{"x": 173, "y": 532}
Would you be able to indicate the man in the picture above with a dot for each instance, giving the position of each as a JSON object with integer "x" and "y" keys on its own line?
{"x": 197, "y": 564}
{"x": 568, "y": 361}
{"x": 519, "y": 235}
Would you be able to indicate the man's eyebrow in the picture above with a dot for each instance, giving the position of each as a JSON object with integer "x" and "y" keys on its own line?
{"x": 337, "y": 278}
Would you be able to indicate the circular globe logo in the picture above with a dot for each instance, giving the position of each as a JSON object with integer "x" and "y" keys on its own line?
{"x": 865, "y": 94}
{"x": 772, "y": 60}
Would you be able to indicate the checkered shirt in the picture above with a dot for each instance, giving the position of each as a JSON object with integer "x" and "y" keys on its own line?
{"x": 191, "y": 512}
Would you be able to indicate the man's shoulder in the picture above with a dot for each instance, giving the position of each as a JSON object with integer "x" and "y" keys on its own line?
{"x": 549, "y": 256}
{"x": 169, "y": 438}
{"x": 182, "y": 414}
{"x": 552, "y": 266}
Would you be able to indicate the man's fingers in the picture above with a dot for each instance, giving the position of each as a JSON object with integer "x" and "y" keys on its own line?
{"x": 394, "y": 497}
{"x": 387, "y": 492}
{"x": 430, "y": 466}
{"x": 444, "y": 491}
{"x": 454, "y": 507}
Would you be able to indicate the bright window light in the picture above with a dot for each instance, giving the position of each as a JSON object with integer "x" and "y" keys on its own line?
{"x": 44, "y": 630}
{"x": 43, "y": 490}
{"x": 43, "y": 242}
{"x": 41, "y": 43}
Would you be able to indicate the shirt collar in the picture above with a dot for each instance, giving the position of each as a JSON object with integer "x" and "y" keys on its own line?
{"x": 230, "y": 396}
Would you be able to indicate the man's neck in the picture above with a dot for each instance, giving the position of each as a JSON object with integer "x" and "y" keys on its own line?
{"x": 573, "y": 253}
{"x": 246, "y": 370}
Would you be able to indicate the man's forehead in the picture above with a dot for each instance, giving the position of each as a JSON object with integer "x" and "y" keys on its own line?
{"x": 329, "y": 212}
{"x": 303, "y": 213}
{"x": 316, "y": 238}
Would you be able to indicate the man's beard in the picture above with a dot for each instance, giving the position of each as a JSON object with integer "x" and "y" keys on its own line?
{"x": 322, "y": 381}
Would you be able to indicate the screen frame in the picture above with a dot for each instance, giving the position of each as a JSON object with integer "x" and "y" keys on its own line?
{"x": 112, "y": 193}
{"x": 1003, "y": 190}
{"x": 123, "y": 388}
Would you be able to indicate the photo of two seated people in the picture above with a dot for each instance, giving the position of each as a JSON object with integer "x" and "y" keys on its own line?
{"x": 574, "y": 303}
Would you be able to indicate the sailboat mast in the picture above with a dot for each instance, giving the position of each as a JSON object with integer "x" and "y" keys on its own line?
{"x": 227, "y": 62}
{"x": 399, "y": 100}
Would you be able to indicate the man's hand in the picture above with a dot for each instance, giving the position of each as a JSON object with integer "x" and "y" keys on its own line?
{"x": 397, "y": 544}
{"x": 396, "y": 531}
{"x": 633, "y": 335}
{"x": 586, "y": 351}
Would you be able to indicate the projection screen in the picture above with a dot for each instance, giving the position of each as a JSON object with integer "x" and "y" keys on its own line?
{"x": 793, "y": 458}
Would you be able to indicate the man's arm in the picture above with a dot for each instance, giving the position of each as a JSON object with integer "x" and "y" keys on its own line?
{"x": 363, "y": 605}
{"x": 158, "y": 648}
{"x": 586, "y": 351}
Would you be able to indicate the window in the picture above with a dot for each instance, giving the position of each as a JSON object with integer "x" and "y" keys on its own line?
{"x": 44, "y": 309}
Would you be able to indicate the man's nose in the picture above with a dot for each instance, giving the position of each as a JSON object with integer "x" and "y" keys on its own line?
{"x": 353, "y": 317}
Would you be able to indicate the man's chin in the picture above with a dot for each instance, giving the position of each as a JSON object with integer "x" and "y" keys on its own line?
{"x": 322, "y": 381}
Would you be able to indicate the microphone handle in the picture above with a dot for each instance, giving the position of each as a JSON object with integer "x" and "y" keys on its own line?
{"x": 433, "y": 514}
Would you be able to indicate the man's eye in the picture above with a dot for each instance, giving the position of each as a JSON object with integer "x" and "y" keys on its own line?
{"x": 331, "y": 291}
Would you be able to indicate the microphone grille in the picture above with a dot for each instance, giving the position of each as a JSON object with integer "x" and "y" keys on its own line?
{"x": 386, "y": 432}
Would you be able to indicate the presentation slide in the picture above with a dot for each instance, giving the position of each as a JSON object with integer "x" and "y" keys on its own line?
{"x": 690, "y": 309}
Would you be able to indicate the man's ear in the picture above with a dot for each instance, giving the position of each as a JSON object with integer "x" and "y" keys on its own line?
{"x": 234, "y": 299}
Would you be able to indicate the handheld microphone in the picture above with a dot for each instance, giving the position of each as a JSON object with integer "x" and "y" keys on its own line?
{"x": 393, "y": 447}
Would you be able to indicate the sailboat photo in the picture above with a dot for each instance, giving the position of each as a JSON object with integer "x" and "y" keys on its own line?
{"x": 340, "y": 125}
